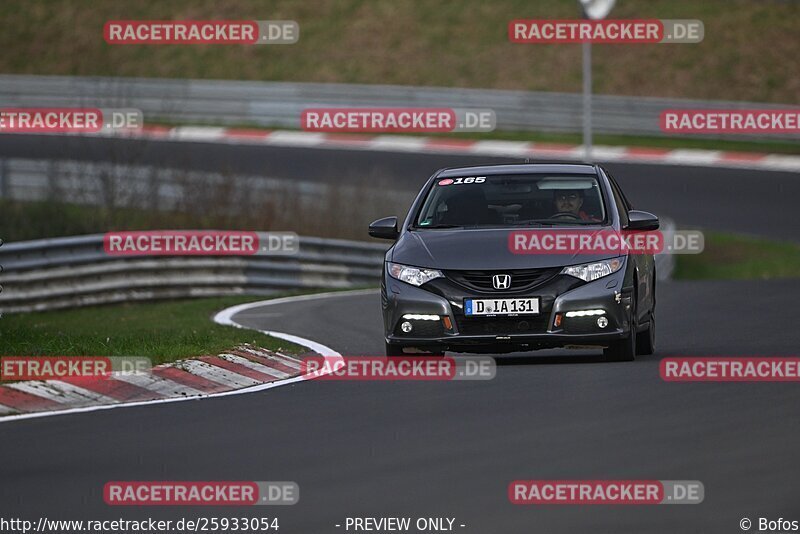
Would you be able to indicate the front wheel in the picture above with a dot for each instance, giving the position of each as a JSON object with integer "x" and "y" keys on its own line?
{"x": 646, "y": 341}
{"x": 624, "y": 350}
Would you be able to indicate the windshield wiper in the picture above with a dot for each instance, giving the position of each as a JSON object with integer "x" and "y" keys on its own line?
{"x": 561, "y": 222}
{"x": 427, "y": 226}
{"x": 533, "y": 222}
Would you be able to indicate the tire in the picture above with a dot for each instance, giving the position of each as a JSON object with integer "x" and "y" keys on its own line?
{"x": 624, "y": 350}
{"x": 394, "y": 350}
{"x": 646, "y": 341}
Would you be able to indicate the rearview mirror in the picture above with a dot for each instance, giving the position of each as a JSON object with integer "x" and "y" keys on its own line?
{"x": 642, "y": 220}
{"x": 385, "y": 228}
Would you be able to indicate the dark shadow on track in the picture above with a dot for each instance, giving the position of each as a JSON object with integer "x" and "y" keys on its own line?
{"x": 585, "y": 357}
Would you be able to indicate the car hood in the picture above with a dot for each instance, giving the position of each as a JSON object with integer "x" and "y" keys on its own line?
{"x": 476, "y": 249}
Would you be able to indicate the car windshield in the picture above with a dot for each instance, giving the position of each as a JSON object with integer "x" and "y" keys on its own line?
{"x": 513, "y": 201}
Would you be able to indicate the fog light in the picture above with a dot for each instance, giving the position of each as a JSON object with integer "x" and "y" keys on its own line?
{"x": 602, "y": 322}
{"x": 406, "y": 327}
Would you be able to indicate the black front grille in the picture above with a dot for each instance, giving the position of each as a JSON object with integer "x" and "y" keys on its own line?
{"x": 521, "y": 279}
{"x": 502, "y": 326}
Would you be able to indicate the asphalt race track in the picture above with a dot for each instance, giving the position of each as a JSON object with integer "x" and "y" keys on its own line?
{"x": 734, "y": 200}
{"x": 450, "y": 449}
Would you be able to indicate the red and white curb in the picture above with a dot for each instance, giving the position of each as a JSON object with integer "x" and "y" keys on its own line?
{"x": 246, "y": 369}
{"x": 515, "y": 149}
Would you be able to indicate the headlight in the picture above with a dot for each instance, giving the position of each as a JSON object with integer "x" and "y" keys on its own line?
{"x": 413, "y": 275}
{"x": 592, "y": 271}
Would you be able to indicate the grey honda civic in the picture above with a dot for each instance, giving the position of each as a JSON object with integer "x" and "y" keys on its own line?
{"x": 462, "y": 275}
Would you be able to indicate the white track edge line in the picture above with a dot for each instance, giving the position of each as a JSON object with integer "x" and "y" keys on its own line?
{"x": 224, "y": 318}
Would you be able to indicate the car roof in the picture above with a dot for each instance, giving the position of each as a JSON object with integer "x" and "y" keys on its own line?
{"x": 520, "y": 168}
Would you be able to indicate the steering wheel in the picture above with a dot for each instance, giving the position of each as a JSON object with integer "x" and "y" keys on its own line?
{"x": 565, "y": 215}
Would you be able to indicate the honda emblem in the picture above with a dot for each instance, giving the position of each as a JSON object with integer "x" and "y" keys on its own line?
{"x": 501, "y": 281}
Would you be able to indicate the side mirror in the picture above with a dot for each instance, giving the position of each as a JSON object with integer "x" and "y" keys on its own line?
{"x": 385, "y": 228}
{"x": 642, "y": 220}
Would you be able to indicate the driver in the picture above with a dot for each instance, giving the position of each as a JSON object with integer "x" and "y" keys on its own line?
{"x": 569, "y": 201}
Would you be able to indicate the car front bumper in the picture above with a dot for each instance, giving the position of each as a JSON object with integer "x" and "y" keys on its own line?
{"x": 440, "y": 303}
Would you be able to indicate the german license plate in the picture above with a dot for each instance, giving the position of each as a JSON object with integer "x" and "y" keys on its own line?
{"x": 526, "y": 306}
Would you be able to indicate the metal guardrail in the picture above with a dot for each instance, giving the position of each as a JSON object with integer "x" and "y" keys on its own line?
{"x": 67, "y": 272}
{"x": 279, "y": 104}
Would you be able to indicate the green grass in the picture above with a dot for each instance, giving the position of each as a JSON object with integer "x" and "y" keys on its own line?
{"x": 23, "y": 220}
{"x": 747, "y": 53}
{"x": 161, "y": 331}
{"x": 735, "y": 257}
{"x": 277, "y": 209}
